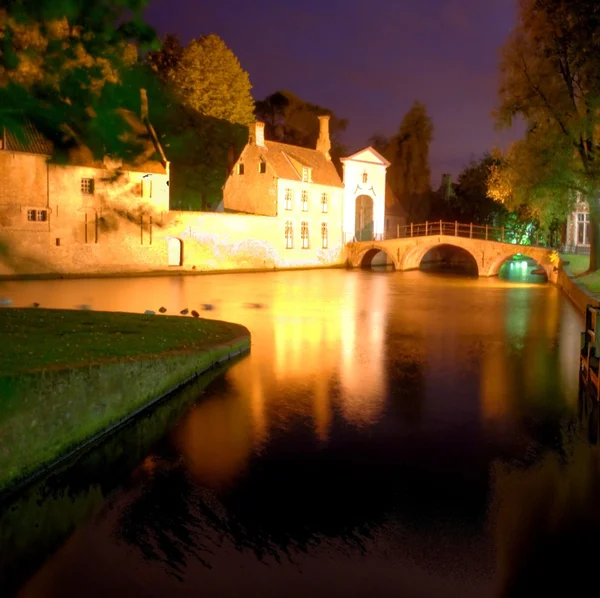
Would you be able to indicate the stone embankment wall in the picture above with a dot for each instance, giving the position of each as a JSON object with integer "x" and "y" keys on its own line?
{"x": 50, "y": 401}
{"x": 575, "y": 291}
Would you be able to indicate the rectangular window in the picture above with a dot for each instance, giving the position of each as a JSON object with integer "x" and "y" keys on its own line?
{"x": 304, "y": 235}
{"x": 87, "y": 186}
{"x": 305, "y": 201}
{"x": 288, "y": 199}
{"x": 583, "y": 229}
{"x": 146, "y": 187}
{"x": 289, "y": 234}
{"x": 324, "y": 236}
{"x": 37, "y": 215}
{"x": 240, "y": 168}
{"x": 324, "y": 203}
{"x": 306, "y": 174}
{"x": 262, "y": 167}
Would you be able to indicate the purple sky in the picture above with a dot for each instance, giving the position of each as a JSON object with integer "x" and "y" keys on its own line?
{"x": 368, "y": 61}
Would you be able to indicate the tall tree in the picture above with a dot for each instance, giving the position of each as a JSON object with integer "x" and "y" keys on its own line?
{"x": 409, "y": 173}
{"x": 289, "y": 119}
{"x": 550, "y": 76}
{"x": 61, "y": 65}
{"x": 203, "y": 116}
{"x": 207, "y": 77}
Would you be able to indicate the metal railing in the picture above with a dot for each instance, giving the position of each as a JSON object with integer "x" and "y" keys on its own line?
{"x": 471, "y": 231}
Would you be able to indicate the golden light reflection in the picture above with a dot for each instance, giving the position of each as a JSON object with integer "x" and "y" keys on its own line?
{"x": 320, "y": 348}
{"x": 215, "y": 440}
{"x": 496, "y": 386}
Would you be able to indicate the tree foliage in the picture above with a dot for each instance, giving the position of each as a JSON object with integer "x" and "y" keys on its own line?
{"x": 550, "y": 76}
{"x": 207, "y": 77}
{"x": 61, "y": 67}
{"x": 409, "y": 174}
{"x": 471, "y": 201}
{"x": 289, "y": 119}
{"x": 202, "y": 115}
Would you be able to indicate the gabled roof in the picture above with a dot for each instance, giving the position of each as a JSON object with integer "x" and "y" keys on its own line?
{"x": 281, "y": 158}
{"x": 368, "y": 154}
{"x": 30, "y": 141}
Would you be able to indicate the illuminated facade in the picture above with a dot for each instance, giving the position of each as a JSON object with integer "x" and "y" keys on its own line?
{"x": 284, "y": 207}
{"x": 313, "y": 209}
{"x": 296, "y": 186}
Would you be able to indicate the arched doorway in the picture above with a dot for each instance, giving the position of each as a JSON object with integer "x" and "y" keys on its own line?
{"x": 363, "y": 224}
{"x": 175, "y": 252}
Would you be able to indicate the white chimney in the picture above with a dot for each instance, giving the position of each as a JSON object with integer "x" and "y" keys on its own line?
{"x": 323, "y": 142}
{"x": 257, "y": 134}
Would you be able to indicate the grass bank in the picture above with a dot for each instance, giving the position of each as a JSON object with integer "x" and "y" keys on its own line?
{"x": 68, "y": 377}
{"x": 578, "y": 264}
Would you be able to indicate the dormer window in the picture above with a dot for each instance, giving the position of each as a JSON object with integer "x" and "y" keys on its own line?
{"x": 262, "y": 167}
{"x": 240, "y": 168}
{"x": 365, "y": 177}
{"x": 306, "y": 174}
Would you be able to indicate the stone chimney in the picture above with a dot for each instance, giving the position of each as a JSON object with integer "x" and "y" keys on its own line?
{"x": 257, "y": 134}
{"x": 323, "y": 142}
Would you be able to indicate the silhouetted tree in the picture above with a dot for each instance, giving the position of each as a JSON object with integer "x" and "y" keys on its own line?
{"x": 409, "y": 173}
{"x": 289, "y": 119}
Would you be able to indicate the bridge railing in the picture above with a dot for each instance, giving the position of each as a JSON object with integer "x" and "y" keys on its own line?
{"x": 459, "y": 229}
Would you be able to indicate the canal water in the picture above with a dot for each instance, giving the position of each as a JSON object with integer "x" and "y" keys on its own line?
{"x": 390, "y": 434}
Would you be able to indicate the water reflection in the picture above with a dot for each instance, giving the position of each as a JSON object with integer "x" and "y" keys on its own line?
{"x": 355, "y": 442}
{"x": 38, "y": 520}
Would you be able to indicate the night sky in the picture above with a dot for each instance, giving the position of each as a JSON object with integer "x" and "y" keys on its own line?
{"x": 368, "y": 61}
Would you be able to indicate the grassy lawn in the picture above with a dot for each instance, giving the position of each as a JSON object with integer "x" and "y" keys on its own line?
{"x": 68, "y": 376}
{"x": 37, "y": 339}
{"x": 577, "y": 263}
{"x": 591, "y": 282}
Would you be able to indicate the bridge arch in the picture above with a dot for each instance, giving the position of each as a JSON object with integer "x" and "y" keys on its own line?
{"x": 412, "y": 258}
{"x": 494, "y": 268}
{"x": 365, "y": 257}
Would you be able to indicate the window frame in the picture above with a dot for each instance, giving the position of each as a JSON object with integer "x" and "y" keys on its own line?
{"x": 324, "y": 202}
{"x": 289, "y": 234}
{"x": 324, "y": 236}
{"x": 582, "y": 225}
{"x": 33, "y": 215}
{"x": 87, "y": 186}
{"x": 304, "y": 235}
{"x": 288, "y": 199}
{"x": 304, "y": 200}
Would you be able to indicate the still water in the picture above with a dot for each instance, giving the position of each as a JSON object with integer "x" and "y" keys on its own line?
{"x": 390, "y": 434}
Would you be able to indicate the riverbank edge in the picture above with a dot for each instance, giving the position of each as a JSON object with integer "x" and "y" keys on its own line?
{"x": 151, "y": 273}
{"x": 578, "y": 294}
{"x": 189, "y": 366}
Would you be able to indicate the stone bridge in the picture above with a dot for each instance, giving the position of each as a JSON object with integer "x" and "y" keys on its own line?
{"x": 406, "y": 253}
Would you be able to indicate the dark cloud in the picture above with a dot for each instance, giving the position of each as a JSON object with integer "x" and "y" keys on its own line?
{"x": 368, "y": 61}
